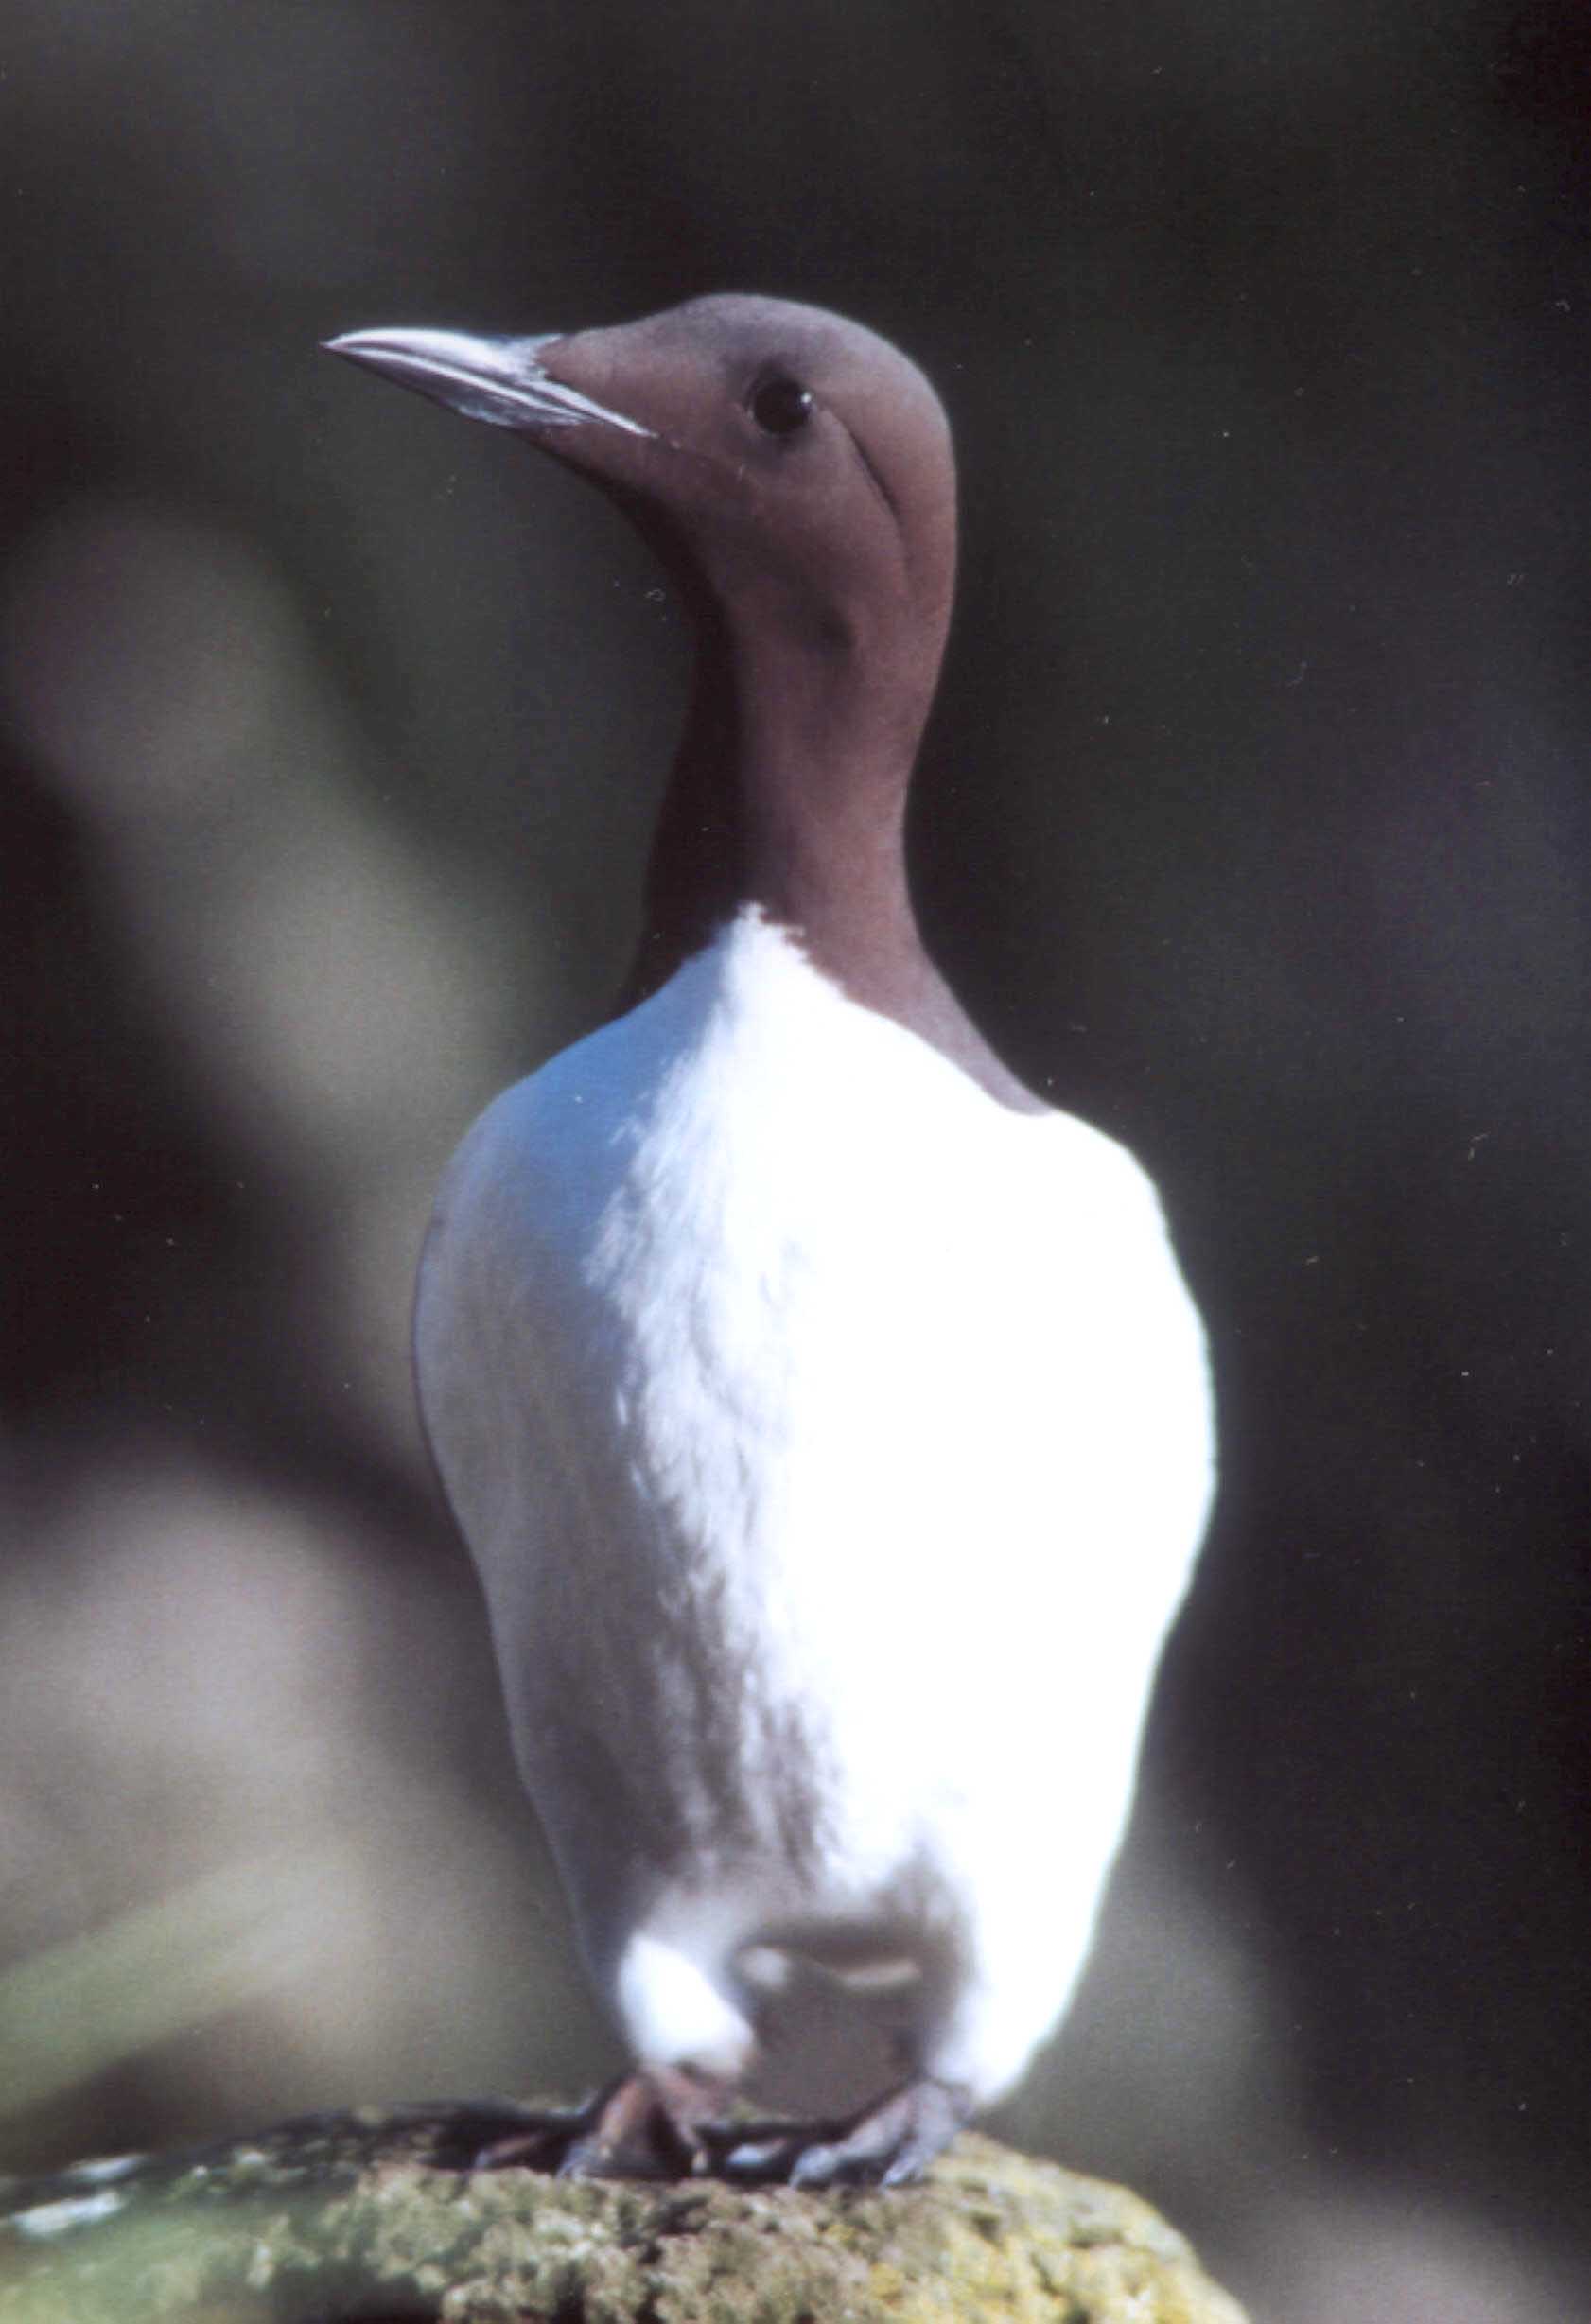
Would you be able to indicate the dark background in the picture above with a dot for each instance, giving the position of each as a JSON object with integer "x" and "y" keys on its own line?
{"x": 1255, "y": 824}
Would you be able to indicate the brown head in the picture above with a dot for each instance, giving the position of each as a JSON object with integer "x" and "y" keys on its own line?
{"x": 796, "y": 472}
{"x": 800, "y": 462}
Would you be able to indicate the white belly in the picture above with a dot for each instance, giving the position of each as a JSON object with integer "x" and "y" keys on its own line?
{"x": 809, "y": 1415}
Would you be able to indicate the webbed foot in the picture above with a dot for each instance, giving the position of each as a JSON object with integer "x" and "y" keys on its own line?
{"x": 887, "y": 2145}
{"x": 648, "y": 2124}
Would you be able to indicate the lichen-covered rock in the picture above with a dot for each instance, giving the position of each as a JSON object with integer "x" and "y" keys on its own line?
{"x": 370, "y": 2215}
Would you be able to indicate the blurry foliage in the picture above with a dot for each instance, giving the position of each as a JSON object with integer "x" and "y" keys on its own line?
{"x": 1253, "y": 822}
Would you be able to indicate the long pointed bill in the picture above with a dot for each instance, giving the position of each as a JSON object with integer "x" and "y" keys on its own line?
{"x": 499, "y": 380}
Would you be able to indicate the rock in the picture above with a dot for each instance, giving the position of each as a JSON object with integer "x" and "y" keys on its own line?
{"x": 371, "y": 2215}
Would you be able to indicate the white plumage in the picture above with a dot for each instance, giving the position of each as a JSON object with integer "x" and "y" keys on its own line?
{"x": 833, "y": 1443}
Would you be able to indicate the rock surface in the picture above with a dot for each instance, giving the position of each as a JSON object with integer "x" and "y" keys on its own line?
{"x": 371, "y": 2217}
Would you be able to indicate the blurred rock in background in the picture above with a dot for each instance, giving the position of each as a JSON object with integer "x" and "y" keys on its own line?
{"x": 1255, "y": 824}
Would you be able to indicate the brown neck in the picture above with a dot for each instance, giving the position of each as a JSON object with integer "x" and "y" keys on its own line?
{"x": 788, "y": 791}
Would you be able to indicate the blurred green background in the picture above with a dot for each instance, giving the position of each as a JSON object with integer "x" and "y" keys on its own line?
{"x": 1253, "y": 823}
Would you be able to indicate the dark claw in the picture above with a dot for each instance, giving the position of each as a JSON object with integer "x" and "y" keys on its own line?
{"x": 539, "y": 2146}
{"x": 889, "y": 2145}
{"x": 649, "y": 2125}
{"x": 656, "y": 2124}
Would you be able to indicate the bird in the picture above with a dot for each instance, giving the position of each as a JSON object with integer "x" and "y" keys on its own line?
{"x": 827, "y": 1413}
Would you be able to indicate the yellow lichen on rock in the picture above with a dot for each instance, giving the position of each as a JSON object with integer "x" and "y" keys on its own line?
{"x": 349, "y": 2215}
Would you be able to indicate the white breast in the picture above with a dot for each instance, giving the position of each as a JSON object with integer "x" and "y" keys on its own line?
{"x": 807, "y": 1413}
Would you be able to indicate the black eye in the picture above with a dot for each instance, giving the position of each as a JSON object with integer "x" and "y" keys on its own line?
{"x": 781, "y": 406}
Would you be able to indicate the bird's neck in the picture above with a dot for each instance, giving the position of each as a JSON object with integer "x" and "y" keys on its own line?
{"x": 828, "y": 740}
{"x": 787, "y": 793}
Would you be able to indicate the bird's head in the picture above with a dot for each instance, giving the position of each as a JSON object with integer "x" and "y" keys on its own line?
{"x": 800, "y": 462}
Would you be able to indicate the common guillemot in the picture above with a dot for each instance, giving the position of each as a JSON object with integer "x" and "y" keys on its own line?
{"x": 808, "y": 1391}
